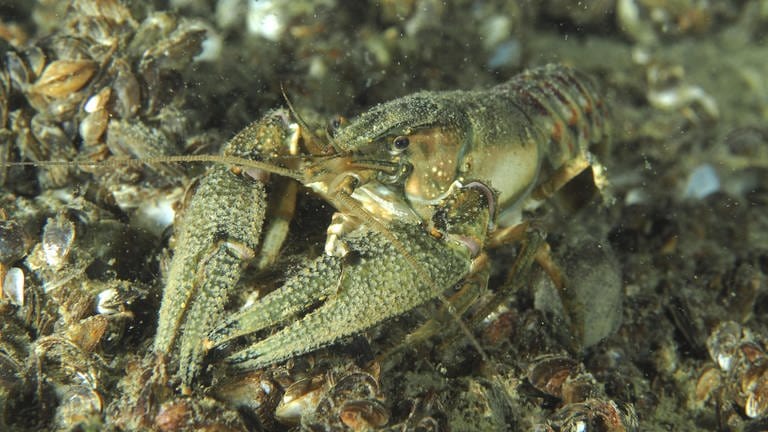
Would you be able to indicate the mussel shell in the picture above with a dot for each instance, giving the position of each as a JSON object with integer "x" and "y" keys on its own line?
{"x": 547, "y": 374}
{"x": 364, "y": 414}
{"x": 58, "y": 239}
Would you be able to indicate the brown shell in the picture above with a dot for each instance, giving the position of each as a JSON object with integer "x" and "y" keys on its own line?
{"x": 547, "y": 374}
{"x": 255, "y": 393}
{"x": 579, "y": 388}
{"x": 754, "y": 383}
{"x": 88, "y": 333}
{"x": 362, "y": 415}
{"x": 300, "y": 398}
{"x": 709, "y": 381}
{"x": 62, "y": 77}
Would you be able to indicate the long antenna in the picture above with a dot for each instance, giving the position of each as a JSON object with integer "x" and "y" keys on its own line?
{"x": 301, "y": 122}
{"x": 221, "y": 159}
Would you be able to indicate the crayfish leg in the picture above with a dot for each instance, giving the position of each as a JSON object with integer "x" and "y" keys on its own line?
{"x": 569, "y": 171}
{"x": 279, "y": 216}
{"x": 531, "y": 243}
{"x": 560, "y": 177}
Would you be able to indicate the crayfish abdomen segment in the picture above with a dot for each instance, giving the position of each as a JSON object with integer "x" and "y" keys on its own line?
{"x": 564, "y": 106}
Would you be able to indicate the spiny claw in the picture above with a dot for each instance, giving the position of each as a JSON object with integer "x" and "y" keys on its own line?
{"x": 310, "y": 285}
{"x": 381, "y": 284}
{"x": 216, "y": 236}
{"x": 207, "y": 265}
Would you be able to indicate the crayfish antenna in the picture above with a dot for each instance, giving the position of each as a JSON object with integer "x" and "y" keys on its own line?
{"x": 220, "y": 159}
{"x": 323, "y": 147}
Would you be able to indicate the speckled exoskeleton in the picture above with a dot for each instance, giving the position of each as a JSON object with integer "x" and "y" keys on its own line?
{"x": 397, "y": 173}
{"x": 218, "y": 233}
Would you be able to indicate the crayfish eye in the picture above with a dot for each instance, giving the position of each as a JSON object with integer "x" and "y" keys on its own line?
{"x": 400, "y": 143}
{"x": 335, "y": 124}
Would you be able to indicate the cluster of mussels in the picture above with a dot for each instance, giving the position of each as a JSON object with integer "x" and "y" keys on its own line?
{"x": 738, "y": 385}
{"x": 74, "y": 266}
{"x": 581, "y": 401}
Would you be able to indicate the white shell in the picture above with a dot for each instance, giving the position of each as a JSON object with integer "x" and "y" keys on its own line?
{"x": 13, "y": 285}
{"x": 58, "y": 238}
{"x": 105, "y": 302}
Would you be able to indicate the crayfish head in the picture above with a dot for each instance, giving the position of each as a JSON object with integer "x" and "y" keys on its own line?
{"x": 418, "y": 141}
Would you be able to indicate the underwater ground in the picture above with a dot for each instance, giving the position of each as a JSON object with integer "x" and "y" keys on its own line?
{"x": 665, "y": 324}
